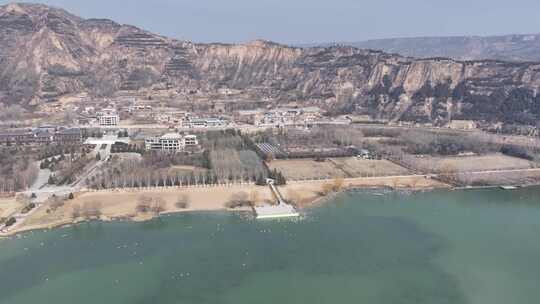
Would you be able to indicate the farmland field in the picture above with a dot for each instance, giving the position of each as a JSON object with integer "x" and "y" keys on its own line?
{"x": 525, "y": 177}
{"x": 299, "y": 169}
{"x": 355, "y": 167}
{"x": 473, "y": 163}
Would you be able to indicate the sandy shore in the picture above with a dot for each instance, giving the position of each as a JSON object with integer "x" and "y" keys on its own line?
{"x": 305, "y": 194}
{"x": 123, "y": 204}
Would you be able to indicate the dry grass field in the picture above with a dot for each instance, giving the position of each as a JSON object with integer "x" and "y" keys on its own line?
{"x": 127, "y": 156}
{"x": 501, "y": 178}
{"x": 8, "y": 206}
{"x": 356, "y": 167}
{"x": 187, "y": 169}
{"x": 473, "y": 163}
{"x": 304, "y": 194}
{"x": 301, "y": 169}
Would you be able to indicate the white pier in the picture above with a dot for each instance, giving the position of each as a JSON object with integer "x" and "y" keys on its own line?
{"x": 281, "y": 210}
{"x": 508, "y": 187}
{"x": 275, "y": 211}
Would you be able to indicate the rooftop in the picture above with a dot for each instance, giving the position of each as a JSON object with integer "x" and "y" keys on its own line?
{"x": 171, "y": 136}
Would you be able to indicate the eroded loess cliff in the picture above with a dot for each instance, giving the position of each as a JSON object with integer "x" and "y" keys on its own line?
{"x": 47, "y": 52}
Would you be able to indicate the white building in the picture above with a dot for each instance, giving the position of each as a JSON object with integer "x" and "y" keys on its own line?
{"x": 190, "y": 141}
{"x": 205, "y": 123}
{"x": 171, "y": 142}
{"x": 108, "y": 117}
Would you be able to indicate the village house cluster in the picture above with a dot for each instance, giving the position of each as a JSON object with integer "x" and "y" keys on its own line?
{"x": 282, "y": 117}
{"x": 197, "y": 112}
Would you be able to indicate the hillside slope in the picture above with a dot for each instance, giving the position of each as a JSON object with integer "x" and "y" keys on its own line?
{"x": 507, "y": 47}
{"x": 46, "y": 52}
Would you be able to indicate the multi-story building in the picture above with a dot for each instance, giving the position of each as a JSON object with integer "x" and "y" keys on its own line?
{"x": 172, "y": 142}
{"x": 191, "y": 140}
{"x": 41, "y": 136}
{"x": 20, "y": 137}
{"x": 68, "y": 136}
{"x": 211, "y": 122}
{"x": 108, "y": 117}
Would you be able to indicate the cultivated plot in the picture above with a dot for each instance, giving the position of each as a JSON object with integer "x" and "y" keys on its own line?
{"x": 347, "y": 167}
{"x": 473, "y": 163}
{"x": 301, "y": 169}
{"x": 524, "y": 177}
{"x": 356, "y": 167}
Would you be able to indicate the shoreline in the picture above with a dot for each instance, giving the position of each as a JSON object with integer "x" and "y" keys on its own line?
{"x": 121, "y": 205}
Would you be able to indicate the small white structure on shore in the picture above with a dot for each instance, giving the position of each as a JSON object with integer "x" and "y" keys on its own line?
{"x": 275, "y": 211}
{"x": 509, "y": 187}
{"x": 281, "y": 210}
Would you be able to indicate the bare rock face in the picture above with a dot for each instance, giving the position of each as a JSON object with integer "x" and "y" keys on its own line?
{"x": 46, "y": 52}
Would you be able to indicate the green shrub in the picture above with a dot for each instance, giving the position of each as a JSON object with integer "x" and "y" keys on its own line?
{"x": 10, "y": 221}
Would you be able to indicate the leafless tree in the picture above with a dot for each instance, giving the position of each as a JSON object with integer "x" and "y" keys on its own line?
{"x": 144, "y": 203}
{"x": 239, "y": 199}
{"x": 158, "y": 205}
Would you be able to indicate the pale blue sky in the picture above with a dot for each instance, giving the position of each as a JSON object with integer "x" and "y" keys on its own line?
{"x": 305, "y": 21}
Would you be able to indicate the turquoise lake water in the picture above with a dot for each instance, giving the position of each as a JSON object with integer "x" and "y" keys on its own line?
{"x": 480, "y": 246}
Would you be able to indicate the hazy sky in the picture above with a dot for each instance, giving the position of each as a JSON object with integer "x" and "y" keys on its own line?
{"x": 304, "y": 21}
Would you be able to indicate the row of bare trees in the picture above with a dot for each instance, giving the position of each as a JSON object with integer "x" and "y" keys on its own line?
{"x": 227, "y": 166}
{"x": 151, "y": 204}
{"x": 18, "y": 171}
{"x": 230, "y": 164}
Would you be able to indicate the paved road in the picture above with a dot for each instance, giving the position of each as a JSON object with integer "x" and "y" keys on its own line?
{"x": 42, "y": 178}
{"x": 104, "y": 156}
{"x": 43, "y": 191}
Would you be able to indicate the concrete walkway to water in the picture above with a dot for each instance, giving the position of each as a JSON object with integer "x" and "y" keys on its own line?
{"x": 281, "y": 210}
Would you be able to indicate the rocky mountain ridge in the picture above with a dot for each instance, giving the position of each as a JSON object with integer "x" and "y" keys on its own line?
{"x": 506, "y": 47}
{"x": 47, "y": 52}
